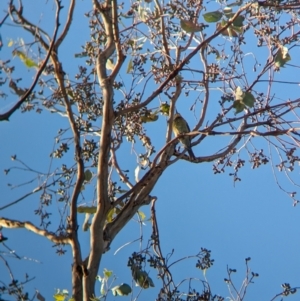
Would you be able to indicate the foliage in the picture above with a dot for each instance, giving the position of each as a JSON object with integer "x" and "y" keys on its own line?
{"x": 142, "y": 62}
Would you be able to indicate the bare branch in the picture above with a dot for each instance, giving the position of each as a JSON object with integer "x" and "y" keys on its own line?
{"x": 175, "y": 72}
{"x": 6, "y": 115}
{"x": 14, "y": 224}
{"x": 67, "y": 24}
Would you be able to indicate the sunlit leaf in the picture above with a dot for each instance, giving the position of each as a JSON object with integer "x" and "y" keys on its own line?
{"x": 189, "y": 26}
{"x": 242, "y": 99}
{"x": 110, "y": 214}
{"x": 213, "y": 16}
{"x": 282, "y": 57}
{"x": 141, "y": 215}
{"x": 107, "y": 273}
{"x": 10, "y": 43}
{"x": 129, "y": 66}
{"x": 142, "y": 14}
{"x": 239, "y": 94}
{"x": 121, "y": 290}
{"x": 86, "y": 209}
{"x": 110, "y": 64}
{"x": 59, "y": 297}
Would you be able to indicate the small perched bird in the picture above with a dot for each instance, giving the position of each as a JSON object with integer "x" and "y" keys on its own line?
{"x": 180, "y": 126}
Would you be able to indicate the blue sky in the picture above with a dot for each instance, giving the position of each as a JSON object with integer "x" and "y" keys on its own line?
{"x": 195, "y": 208}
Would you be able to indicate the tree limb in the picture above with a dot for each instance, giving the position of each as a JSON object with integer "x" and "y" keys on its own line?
{"x": 6, "y": 115}
{"x": 14, "y": 224}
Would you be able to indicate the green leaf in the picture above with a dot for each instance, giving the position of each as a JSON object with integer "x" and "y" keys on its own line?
{"x": 189, "y": 26}
{"x": 282, "y": 57}
{"x": 249, "y": 100}
{"x": 231, "y": 31}
{"x": 141, "y": 215}
{"x": 212, "y": 17}
{"x": 129, "y": 66}
{"x": 121, "y": 290}
{"x": 70, "y": 93}
{"x": 59, "y": 297}
{"x": 110, "y": 214}
{"x": 107, "y": 273}
{"x": 10, "y": 43}
{"x": 242, "y": 99}
{"x": 238, "y": 22}
{"x": 141, "y": 278}
{"x": 239, "y": 106}
{"x": 86, "y": 209}
{"x": 142, "y": 14}
{"x": 87, "y": 175}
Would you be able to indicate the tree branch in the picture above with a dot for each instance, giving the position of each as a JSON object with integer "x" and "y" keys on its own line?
{"x": 67, "y": 24}
{"x": 13, "y": 224}
{"x": 175, "y": 72}
{"x": 6, "y": 115}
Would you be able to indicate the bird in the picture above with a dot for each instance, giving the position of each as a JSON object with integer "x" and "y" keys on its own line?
{"x": 179, "y": 127}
